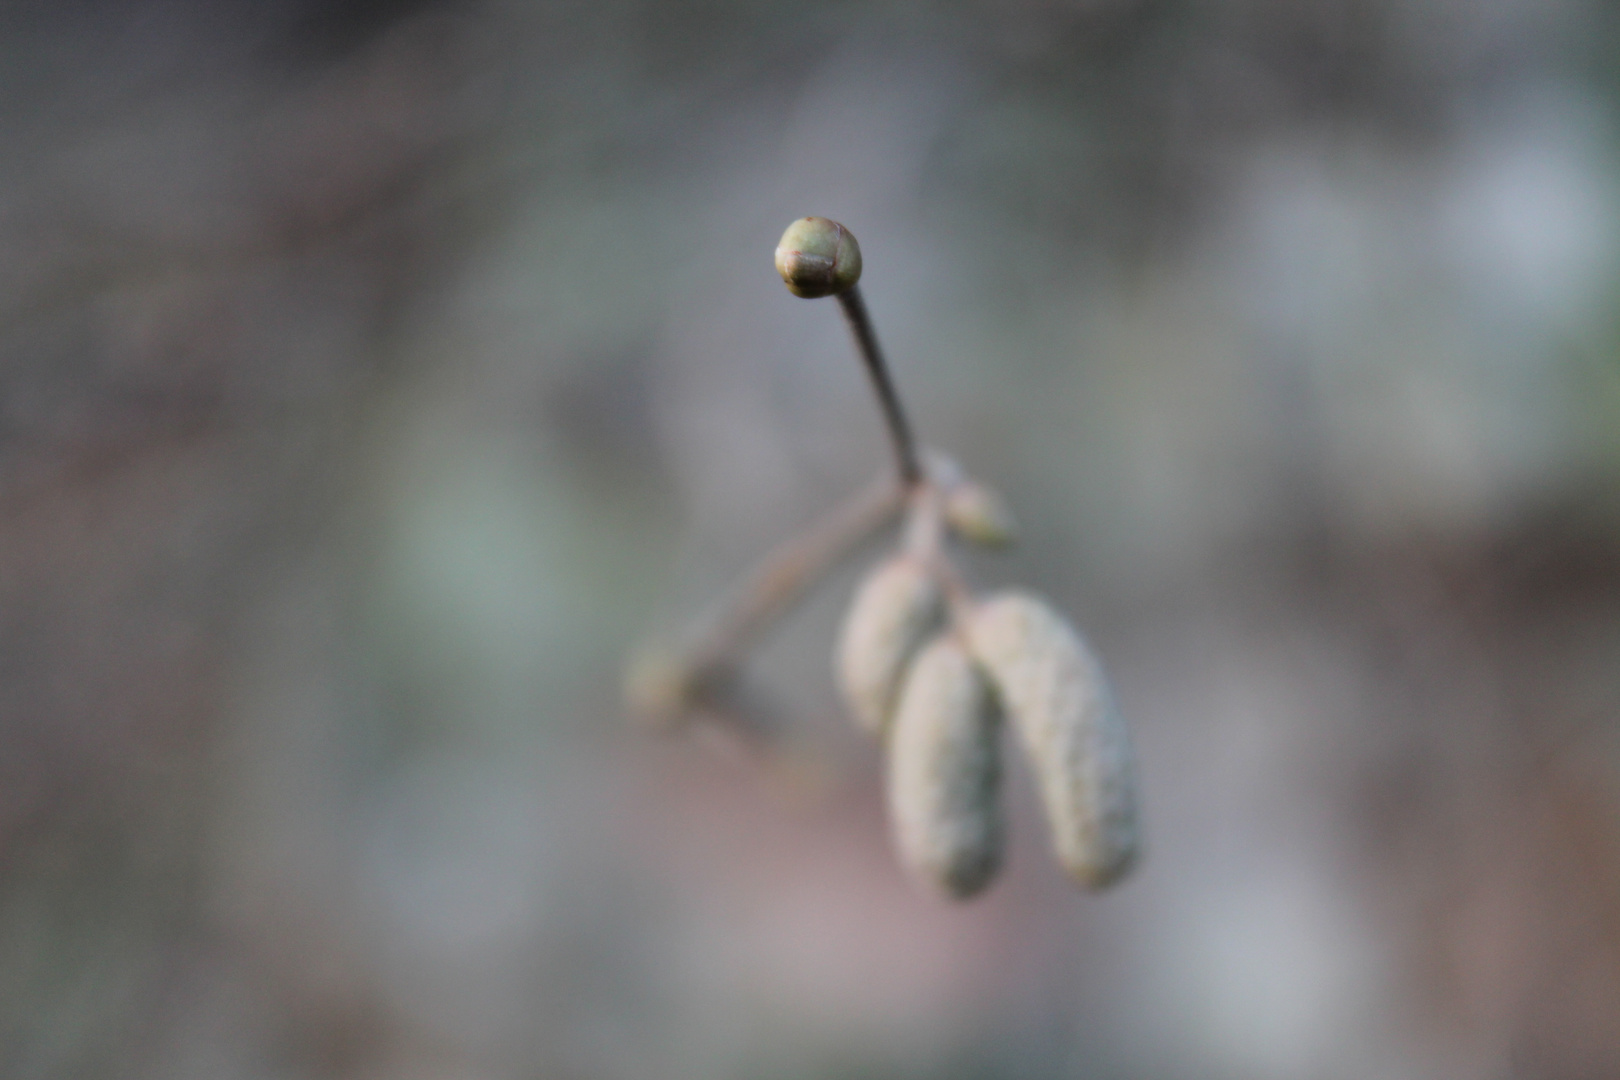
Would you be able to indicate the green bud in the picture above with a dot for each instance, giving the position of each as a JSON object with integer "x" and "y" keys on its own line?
{"x": 660, "y": 687}
{"x": 978, "y": 515}
{"x": 817, "y": 257}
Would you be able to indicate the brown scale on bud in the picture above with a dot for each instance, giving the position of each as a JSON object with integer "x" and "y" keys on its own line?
{"x": 1054, "y": 694}
{"x": 896, "y": 608}
{"x": 944, "y": 772}
{"x": 817, "y": 257}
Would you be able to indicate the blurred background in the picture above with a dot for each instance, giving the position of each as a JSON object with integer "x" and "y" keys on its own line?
{"x": 375, "y": 373}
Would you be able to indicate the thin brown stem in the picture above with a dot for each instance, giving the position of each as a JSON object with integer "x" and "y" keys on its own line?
{"x": 866, "y": 343}
{"x": 927, "y": 538}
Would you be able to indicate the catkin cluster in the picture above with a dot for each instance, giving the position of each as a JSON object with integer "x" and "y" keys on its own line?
{"x": 926, "y": 666}
{"x": 936, "y": 672}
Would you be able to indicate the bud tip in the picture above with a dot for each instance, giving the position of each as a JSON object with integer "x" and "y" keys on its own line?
{"x": 818, "y": 257}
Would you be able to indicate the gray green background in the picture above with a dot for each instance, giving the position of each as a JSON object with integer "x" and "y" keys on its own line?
{"x": 373, "y": 375}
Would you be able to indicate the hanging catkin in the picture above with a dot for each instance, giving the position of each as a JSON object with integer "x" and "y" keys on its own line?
{"x": 945, "y": 772}
{"x": 1054, "y": 695}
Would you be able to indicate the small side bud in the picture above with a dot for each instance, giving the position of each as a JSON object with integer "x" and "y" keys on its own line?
{"x": 978, "y": 515}
{"x": 1055, "y": 696}
{"x": 659, "y": 686}
{"x": 817, "y": 257}
{"x": 944, "y": 773}
{"x": 896, "y": 608}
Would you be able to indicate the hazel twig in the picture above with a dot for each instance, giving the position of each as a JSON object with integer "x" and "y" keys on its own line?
{"x": 781, "y": 579}
{"x": 866, "y": 343}
{"x": 667, "y": 682}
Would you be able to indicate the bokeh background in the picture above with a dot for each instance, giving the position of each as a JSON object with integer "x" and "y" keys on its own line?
{"x": 374, "y": 374}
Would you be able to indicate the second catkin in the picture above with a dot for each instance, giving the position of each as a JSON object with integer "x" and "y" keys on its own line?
{"x": 944, "y": 772}
{"x": 1055, "y": 696}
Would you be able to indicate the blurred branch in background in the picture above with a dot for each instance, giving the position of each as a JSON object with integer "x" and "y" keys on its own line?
{"x": 372, "y": 374}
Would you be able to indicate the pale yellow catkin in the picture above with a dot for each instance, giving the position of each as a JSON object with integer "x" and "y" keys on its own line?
{"x": 896, "y": 608}
{"x": 1054, "y": 694}
{"x": 944, "y": 772}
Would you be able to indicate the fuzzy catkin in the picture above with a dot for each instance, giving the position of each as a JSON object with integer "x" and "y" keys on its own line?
{"x": 897, "y": 606}
{"x": 1055, "y": 696}
{"x": 944, "y": 772}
